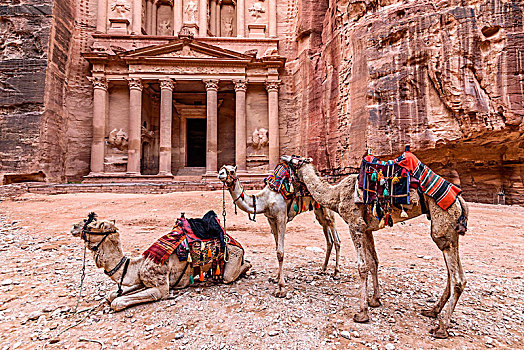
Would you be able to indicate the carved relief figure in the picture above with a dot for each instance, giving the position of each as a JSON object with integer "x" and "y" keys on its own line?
{"x": 120, "y": 7}
{"x": 257, "y": 10}
{"x": 164, "y": 28}
{"x": 260, "y": 138}
{"x": 228, "y": 26}
{"x": 191, "y": 11}
{"x": 147, "y": 136}
{"x": 118, "y": 139}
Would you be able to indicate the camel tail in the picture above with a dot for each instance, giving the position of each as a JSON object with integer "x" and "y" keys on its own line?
{"x": 462, "y": 222}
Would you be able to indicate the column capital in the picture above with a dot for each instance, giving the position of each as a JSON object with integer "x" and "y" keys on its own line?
{"x": 273, "y": 85}
{"x": 167, "y": 83}
{"x": 99, "y": 82}
{"x": 211, "y": 84}
{"x": 240, "y": 85}
{"x": 135, "y": 83}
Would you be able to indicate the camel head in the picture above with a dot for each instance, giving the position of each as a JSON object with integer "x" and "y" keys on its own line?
{"x": 93, "y": 232}
{"x": 295, "y": 161}
{"x": 228, "y": 175}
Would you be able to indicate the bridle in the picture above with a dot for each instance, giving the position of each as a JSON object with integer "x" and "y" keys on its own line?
{"x": 230, "y": 182}
{"x": 86, "y": 233}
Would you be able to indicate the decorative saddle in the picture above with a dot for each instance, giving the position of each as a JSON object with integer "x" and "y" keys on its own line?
{"x": 200, "y": 242}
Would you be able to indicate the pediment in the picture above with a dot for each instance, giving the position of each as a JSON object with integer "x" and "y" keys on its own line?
{"x": 186, "y": 50}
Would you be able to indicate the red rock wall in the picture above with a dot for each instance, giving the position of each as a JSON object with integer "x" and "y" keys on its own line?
{"x": 24, "y": 34}
{"x": 442, "y": 76}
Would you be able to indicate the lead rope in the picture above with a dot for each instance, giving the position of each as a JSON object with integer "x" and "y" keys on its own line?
{"x": 226, "y": 257}
{"x": 81, "y": 280}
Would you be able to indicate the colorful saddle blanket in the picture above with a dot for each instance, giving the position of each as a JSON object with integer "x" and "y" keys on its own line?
{"x": 442, "y": 191}
{"x": 392, "y": 179}
{"x": 188, "y": 247}
{"x": 281, "y": 181}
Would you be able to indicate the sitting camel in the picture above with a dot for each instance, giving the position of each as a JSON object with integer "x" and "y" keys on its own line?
{"x": 140, "y": 279}
{"x": 278, "y": 212}
{"x": 445, "y": 230}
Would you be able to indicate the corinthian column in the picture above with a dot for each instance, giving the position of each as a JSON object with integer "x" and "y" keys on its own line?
{"x": 166, "y": 117}
{"x": 135, "y": 120}
{"x": 178, "y": 16}
{"x": 101, "y": 16}
{"x": 212, "y": 126}
{"x": 240, "y": 124}
{"x": 274, "y": 135}
{"x": 202, "y": 22}
{"x": 99, "y": 124}
{"x": 137, "y": 17}
{"x": 241, "y": 18}
{"x": 272, "y": 18}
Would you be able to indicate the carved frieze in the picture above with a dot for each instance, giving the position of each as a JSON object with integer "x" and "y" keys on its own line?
{"x": 144, "y": 68}
{"x": 118, "y": 139}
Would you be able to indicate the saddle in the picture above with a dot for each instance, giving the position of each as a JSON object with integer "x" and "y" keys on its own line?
{"x": 189, "y": 246}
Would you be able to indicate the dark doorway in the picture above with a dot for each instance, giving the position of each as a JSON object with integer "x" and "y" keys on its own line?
{"x": 196, "y": 142}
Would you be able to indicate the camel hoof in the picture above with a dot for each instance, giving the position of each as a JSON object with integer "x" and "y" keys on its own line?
{"x": 439, "y": 332}
{"x": 247, "y": 265}
{"x": 336, "y": 275}
{"x": 118, "y": 305}
{"x": 374, "y": 302}
{"x": 361, "y": 317}
{"x": 111, "y": 296}
{"x": 429, "y": 313}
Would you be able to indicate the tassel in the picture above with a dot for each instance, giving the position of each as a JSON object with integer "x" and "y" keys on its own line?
{"x": 317, "y": 205}
{"x": 396, "y": 180}
{"x": 217, "y": 272}
{"x": 403, "y": 214}
{"x": 374, "y": 176}
{"x": 189, "y": 259}
{"x": 201, "y": 275}
{"x": 191, "y": 280}
{"x": 209, "y": 255}
{"x": 380, "y": 175}
{"x": 381, "y": 224}
{"x": 386, "y": 193}
{"x": 375, "y": 210}
{"x": 304, "y": 208}
{"x": 390, "y": 220}
{"x": 295, "y": 206}
{"x": 310, "y": 206}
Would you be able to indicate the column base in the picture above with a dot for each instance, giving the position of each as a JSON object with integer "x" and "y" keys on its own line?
{"x": 164, "y": 173}
{"x": 132, "y": 173}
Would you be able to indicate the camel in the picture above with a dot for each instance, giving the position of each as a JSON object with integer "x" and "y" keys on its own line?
{"x": 279, "y": 212}
{"x": 143, "y": 280}
{"x": 445, "y": 231}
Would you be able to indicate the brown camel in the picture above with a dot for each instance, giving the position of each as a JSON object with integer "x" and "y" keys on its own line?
{"x": 445, "y": 232}
{"x": 144, "y": 280}
{"x": 279, "y": 212}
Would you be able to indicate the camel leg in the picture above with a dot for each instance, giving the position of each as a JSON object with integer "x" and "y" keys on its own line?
{"x": 336, "y": 241}
{"x": 363, "y": 269}
{"x": 435, "y": 310}
{"x": 147, "y": 295}
{"x": 278, "y": 227}
{"x": 320, "y": 216}
{"x": 372, "y": 260}
{"x": 457, "y": 285}
{"x": 125, "y": 290}
{"x": 274, "y": 231}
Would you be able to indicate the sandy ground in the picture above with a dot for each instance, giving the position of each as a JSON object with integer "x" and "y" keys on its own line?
{"x": 40, "y": 267}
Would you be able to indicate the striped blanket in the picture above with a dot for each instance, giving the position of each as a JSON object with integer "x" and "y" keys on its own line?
{"x": 280, "y": 181}
{"x": 443, "y": 192}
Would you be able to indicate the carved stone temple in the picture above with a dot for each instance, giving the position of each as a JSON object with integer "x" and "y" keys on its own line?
{"x": 180, "y": 88}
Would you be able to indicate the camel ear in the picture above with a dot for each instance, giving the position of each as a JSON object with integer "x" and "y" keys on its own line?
{"x": 235, "y": 168}
{"x": 309, "y": 160}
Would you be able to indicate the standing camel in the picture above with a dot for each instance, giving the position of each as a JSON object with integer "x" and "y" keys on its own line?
{"x": 445, "y": 230}
{"x": 141, "y": 279}
{"x": 279, "y": 212}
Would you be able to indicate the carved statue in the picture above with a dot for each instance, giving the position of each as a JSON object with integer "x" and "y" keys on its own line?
{"x": 257, "y": 10}
{"x": 118, "y": 139}
{"x": 191, "y": 11}
{"x": 164, "y": 27}
{"x": 120, "y": 7}
{"x": 260, "y": 138}
{"x": 228, "y": 26}
{"x": 147, "y": 136}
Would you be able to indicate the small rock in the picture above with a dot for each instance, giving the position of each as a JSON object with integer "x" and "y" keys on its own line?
{"x": 6, "y": 282}
{"x": 179, "y": 335}
{"x": 390, "y": 346}
{"x": 489, "y": 341}
{"x": 345, "y": 334}
{"x": 355, "y": 334}
{"x": 315, "y": 249}
{"x": 273, "y": 333}
{"x": 427, "y": 257}
{"x": 34, "y": 315}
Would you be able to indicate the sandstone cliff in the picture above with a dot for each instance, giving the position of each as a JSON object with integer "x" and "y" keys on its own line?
{"x": 445, "y": 77}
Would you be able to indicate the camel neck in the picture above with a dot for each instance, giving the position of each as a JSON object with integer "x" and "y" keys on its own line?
{"x": 245, "y": 201}
{"x": 109, "y": 255}
{"x": 320, "y": 189}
